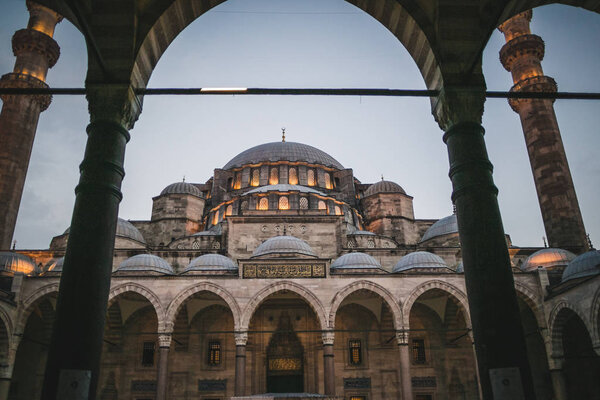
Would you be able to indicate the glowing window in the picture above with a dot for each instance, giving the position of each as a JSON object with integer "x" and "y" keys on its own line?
{"x": 148, "y": 350}
{"x": 214, "y": 353}
{"x": 229, "y": 210}
{"x": 263, "y": 204}
{"x": 355, "y": 352}
{"x": 338, "y": 210}
{"x": 358, "y": 398}
{"x": 311, "y": 180}
{"x": 255, "y": 178}
{"x": 304, "y": 203}
{"x": 284, "y": 203}
{"x": 238, "y": 181}
{"x": 322, "y": 205}
{"x": 216, "y": 218}
{"x": 293, "y": 176}
{"x": 328, "y": 181}
{"x": 418, "y": 351}
{"x": 274, "y": 176}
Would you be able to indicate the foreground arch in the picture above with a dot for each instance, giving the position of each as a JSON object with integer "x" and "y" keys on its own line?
{"x": 440, "y": 285}
{"x": 142, "y": 291}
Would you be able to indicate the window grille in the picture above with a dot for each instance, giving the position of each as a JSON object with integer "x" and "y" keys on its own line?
{"x": 148, "y": 349}
{"x": 255, "y": 178}
{"x": 303, "y": 203}
{"x": 418, "y": 351}
{"x": 293, "y": 176}
{"x": 328, "y": 181}
{"x": 263, "y": 204}
{"x": 355, "y": 351}
{"x": 284, "y": 203}
{"x": 311, "y": 180}
{"x": 274, "y": 178}
{"x": 214, "y": 353}
{"x": 338, "y": 210}
{"x": 371, "y": 244}
{"x": 244, "y": 205}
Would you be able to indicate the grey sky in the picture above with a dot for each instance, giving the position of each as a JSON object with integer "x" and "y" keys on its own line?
{"x": 308, "y": 43}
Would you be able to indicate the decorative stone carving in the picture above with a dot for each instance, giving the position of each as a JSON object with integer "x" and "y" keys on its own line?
{"x": 164, "y": 340}
{"x": 328, "y": 337}
{"x": 113, "y": 102}
{"x": 241, "y": 338}
{"x": 402, "y": 337}
{"x": 457, "y": 104}
{"x": 30, "y": 40}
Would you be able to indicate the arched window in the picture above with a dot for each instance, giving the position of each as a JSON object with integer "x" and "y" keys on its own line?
{"x": 255, "y": 178}
{"x": 238, "y": 181}
{"x": 244, "y": 205}
{"x": 284, "y": 203}
{"x": 322, "y": 205}
{"x": 312, "y": 181}
{"x": 229, "y": 210}
{"x": 216, "y": 217}
{"x": 293, "y": 176}
{"x": 328, "y": 181}
{"x": 263, "y": 204}
{"x": 274, "y": 176}
{"x": 304, "y": 203}
{"x": 338, "y": 210}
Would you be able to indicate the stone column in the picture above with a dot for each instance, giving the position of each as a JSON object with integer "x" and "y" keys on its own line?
{"x": 36, "y": 52}
{"x": 522, "y": 55}
{"x": 6, "y": 370}
{"x": 241, "y": 339}
{"x": 402, "y": 337}
{"x": 76, "y": 344}
{"x": 328, "y": 363}
{"x": 497, "y": 328}
{"x": 164, "y": 344}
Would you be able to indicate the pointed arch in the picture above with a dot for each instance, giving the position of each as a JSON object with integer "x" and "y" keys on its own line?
{"x": 30, "y": 301}
{"x": 342, "y": 294}
{"x": 533, "y": 301}
{"x": 452, "y": 290}
{"x": 304, "y": 293}
{"x": 557, "y": 323}
{"x": 144, "y": 292}
{"x": 182, "y": 297}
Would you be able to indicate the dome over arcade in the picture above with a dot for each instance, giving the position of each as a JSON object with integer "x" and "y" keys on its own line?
{"x": 146, "y": 262}
{"x": 283, "y": 151}
{"x": 355, "y": 261}
{"x": 284, "y": 187}
{"x": 586, "y": 264}
{"x": 445, "y": 226}
{"x": 125, "y": 229}
{"x": 182, "y": 188}
{"x": 283, "y": 245}
{"x": 211, "y": 262}
{"x": 384, "y": 187}
{"x": 548, "y": 259}
{"x": 16, "y": 262}
{"x": 419, "y": 259}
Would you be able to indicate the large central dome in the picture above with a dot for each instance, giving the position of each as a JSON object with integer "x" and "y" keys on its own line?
{"x": 283, "y": 151}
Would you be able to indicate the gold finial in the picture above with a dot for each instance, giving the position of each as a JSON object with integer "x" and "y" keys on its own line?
{"x": 283, "y": 135}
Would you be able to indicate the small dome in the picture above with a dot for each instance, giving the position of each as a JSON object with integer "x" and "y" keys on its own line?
{"x": 355, "y": 260}
{"x": 384, "y": 187}
{"x": 444, "y": 226}
{"x": 283, "y": 151}
{"x": 284, "y": 245}
{"x": 211, "y": 262}
{"x": 548, "y": 259}
{"x": 125, "y": 229}
{"x": 146, "y": 262}
{"x": 419, "y": 259}
{"x": 16, "y": 262}
{"x": 586, "y": 264}
{"x": 55, "y": 265}
{"x": 284, "y": 187}
{"x": 182, "y": 188}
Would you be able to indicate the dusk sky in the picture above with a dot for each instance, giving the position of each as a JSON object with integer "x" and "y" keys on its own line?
{"x": 308, "y": 43}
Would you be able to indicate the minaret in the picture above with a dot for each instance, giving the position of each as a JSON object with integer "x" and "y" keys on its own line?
{"x": 36, "y": 52}
{"x": 522, "y": 55}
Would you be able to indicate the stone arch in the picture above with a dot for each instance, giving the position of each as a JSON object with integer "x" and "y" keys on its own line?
{"x": 5, "y": 341}
{"x": 144, "y": 292}
{"x": 533, "y": 301}
{"x": 342, "y": 294}
{"x": 595, "y": 317}
{"x": 30, "y": 301}
{"x": 443, "y": 286}
{"x": 178, "y": 301}
{"x": 409, "y": 24}
{"x": 557, "y": 322}
{"x": 301, "y": 291}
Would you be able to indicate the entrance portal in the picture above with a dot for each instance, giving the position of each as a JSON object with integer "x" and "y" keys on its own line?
{"x": 285, "y": 367}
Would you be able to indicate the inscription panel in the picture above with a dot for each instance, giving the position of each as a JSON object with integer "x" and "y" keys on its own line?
{"x": 266, "y": 271}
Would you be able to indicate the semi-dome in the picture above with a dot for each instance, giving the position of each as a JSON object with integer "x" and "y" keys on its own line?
{"x": 384, "y": 187}
{"x": 16, "y": 262}
{"x": 419, "y": 259}
{"x": 125, "y": 229}
{"x": 211, "y": 262}
{"x": 355, "y": 261}
{"x": 548, "y": 259}
{"x": 182, "y": 188}
{"x": 283, "y": 151}
{"x": 444, "y": 226}
{"x": 586, "y": 264}
{"x": 284, "y": 187}
{"x": 146, "y": 262}
{"x": 55, "y": 265}
{"x": 284, "y": 245}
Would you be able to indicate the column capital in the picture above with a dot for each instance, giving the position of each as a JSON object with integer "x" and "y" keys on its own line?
{"x": 402, "y": 337}
{"x": 164, "y": 340}
{"x": 241, "y": 338}
{"x": 328, "y": 337}
{"x": 459, "y": 104}
{"x": 113, "y": 102}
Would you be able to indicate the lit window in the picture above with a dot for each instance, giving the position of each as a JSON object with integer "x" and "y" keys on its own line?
{"x": 216, "y": 218}
{"x": 263, "y": 204}
{"x": 293, "y": 176}
{"x": 355, "y": 352}
{"x": 358, "y": 398}
{"x": 418, "y": 351}
{"x": 284, "y": 203}
{"x": 214, "y": 353}
{"x": 274, "y": 177}
{"x": 238, "y": 181}
{"x": 328, "y": 181}
{"x": 338, "y": 210}
{"x": 148, "y": 354}
{"x": 229, "y": 210}
{"x": 303, "y": 203}
{"x": 322, "y": 205}
{"x": 312, "y": 181}
{"x": 255, "y": 178}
